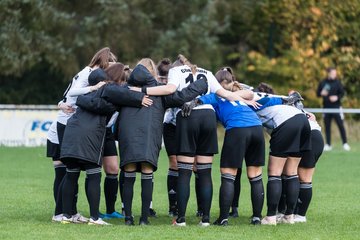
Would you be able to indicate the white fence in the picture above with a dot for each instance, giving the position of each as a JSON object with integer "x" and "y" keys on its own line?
{"x": 27, "y": 125}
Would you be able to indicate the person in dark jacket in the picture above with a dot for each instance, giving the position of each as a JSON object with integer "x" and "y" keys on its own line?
{"x": 331, "y": 90}
{"x": 83, "y": 141}
{"x": 140, "y": 135}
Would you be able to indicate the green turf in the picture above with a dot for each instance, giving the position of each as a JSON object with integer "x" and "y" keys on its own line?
{"x": 26, "y": 204}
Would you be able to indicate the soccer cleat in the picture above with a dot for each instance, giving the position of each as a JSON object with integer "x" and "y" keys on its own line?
{"x": 102, "y": 215}
{"x": 205, "y": 221}
{"x": 279, "y": 216}
{"x": 299, "y": 219}
{"x": 143, "y": 222}
{"x": 78, "y": 218}
{"x": 287, "y": 219}
{"x": 57, "y": 218}
{"x": 66, "y": 220}
{"x": 97, "y": 222}
{"x": 113, "y": 215}
{"x": 234, "y": 212}
{"x": 269, "y": 220}
{"x": 255, "y": 221}
{"x": 179, "y": 222}
{"x": 152, "y": 213}
{"x": 129, "y": 221}
{"x": 346, "y": 147}
{"x": 223, "y": 222}
{"x": 327, "y": 148}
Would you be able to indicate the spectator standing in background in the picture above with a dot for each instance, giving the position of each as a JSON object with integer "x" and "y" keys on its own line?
{"x": 331, "y": 90}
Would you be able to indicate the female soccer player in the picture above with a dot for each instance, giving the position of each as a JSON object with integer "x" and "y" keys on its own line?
{"x": 83, "y": 142}
{"x": 243, "y": 138}
{"x": 140, "y": 135}
{"x": 196, "y": 135}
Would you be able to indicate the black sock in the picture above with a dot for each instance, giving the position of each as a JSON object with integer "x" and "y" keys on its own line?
{"x": 305, "y": 196}
{"x": 93, "y": 177}
{"x": 292, "y": 193}
{"x": 183, "y": 187}
{"x": 237, "y": 189}
{"x": 68, "y": 190}
{"x": 226, "y": 194}
{"x": 128, "y": 192}
{"x": 75, "y": 198}
{"x": 146, "y": 194}
{"x": 206, "y": 189}
{"x": 197, "y": 193}
{"x": 59, "y": 199}
{"x": 121, "y": 187}
{"x": 273, "y": 194}
{"x": 282, "y": 202}
{"x": 60, "y": 171}
{"x": 257, "y": 195}
{"x": 110, "y": 191}
{"x": 172, "y": 179}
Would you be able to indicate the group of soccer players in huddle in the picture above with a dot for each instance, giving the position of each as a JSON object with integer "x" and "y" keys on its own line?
{"x": 181, "y": 104}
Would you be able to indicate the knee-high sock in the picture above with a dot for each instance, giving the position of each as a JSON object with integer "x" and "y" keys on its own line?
{"x": 75, "y": 198}
{"x": 273, "y": 194}
{"x": 93, "y": 177}
{"x": 110, "y": 191}
{"x": 59, "y": 198}
{"x": 257, "y": 195}
{"x": 60, "y": 171}
{"x": 237, "y": 189}
{"x": 197, "y": 192}
{"x": 292, "y": 193}
{"x": 68, "y": 190}
{"x": 305, "y": 196}
{"x": 128, "y": 192}
{"x": 206, "y": 188}
{"x": 183, "y": 187}
{"x": 282, "y": 201}
{"x": 172, "y": 179}
{"x": 121, "y": 187}
{"x": 146, "y": 194}
{"x": 226, "y": 194}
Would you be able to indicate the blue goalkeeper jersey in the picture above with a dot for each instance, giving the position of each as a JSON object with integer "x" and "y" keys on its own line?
{"x": 232, "y": 114}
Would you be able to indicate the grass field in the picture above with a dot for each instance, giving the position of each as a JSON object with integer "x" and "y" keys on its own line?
{"x": 26, "y": 204}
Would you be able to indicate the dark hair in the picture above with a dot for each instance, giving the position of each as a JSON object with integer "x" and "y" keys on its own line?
{"x": 115, "y": 71}
{"x": 126, "y": 74}
{"x": 329, "y": 69}
{"x": 225, "y": 74}
{"x": 102, "y": 58}
{"x": 265, "y": 88}
{"x": 164, "y": 66}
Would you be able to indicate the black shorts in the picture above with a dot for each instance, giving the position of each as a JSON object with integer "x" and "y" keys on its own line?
{"x": 310, "y": 158}
{"x": 53, "y": 150}
{"x": 169, "y": 135}
{"x": 60, "y": 128}
{"x": 72, "y": 163}
{"x": 243, "y": 142}
{"x": 109, "y": 144}
{"x": 197, "y": 134}
{"x": 291, "y": 138}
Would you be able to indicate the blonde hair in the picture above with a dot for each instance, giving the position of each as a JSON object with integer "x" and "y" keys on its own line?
{"x": 102, "y": 58}
{"x": 150, "y": 65}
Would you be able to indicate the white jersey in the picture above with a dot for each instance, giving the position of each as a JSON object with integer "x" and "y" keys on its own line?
{"x": 170, "y": 116}
{"x": 79, "y": 81}
{"x": 52, "y": 133}
{"x": 182, "y": 76}
{"x": 273, "y": 116}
